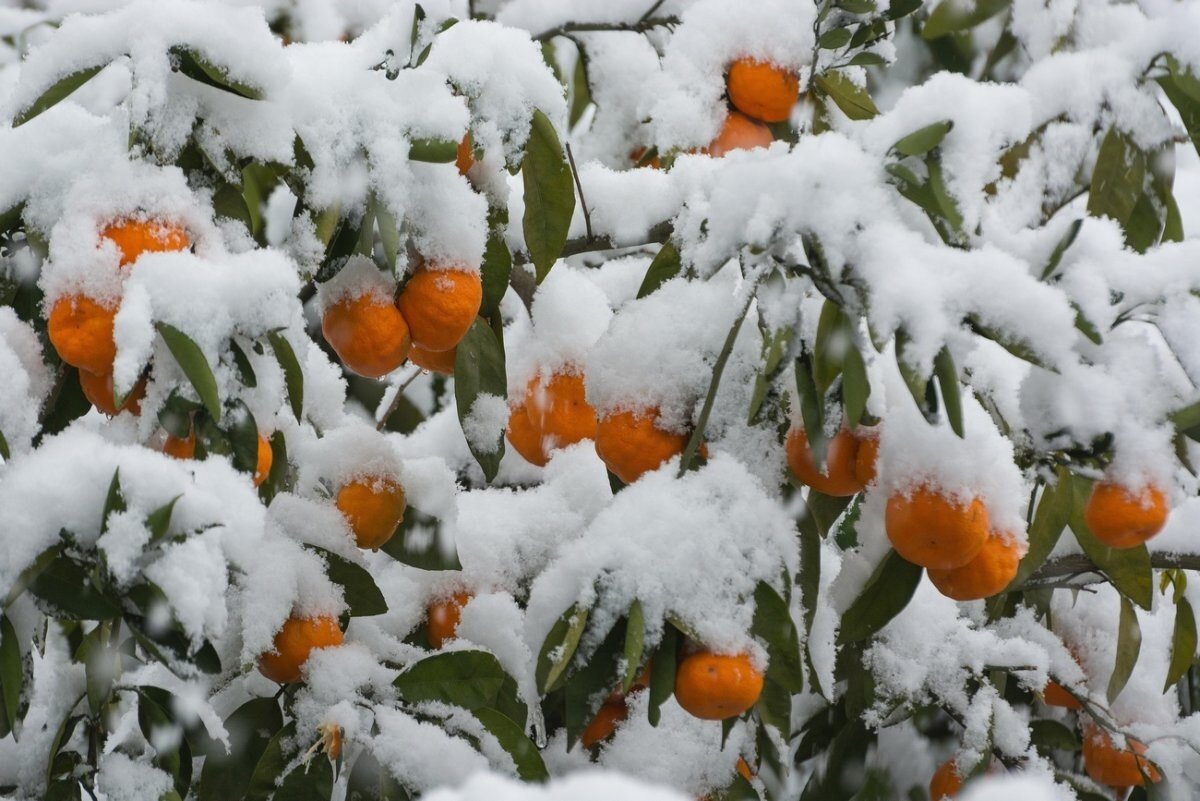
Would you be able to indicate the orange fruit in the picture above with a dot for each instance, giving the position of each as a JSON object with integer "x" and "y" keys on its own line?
{"x": 604, "y": 724}
{"x": 181, "y": 448}
{"x": 986, "y": 574}
{"x": 743, "y": 767}
{"x": 465, "y": 157}
{"x": 640, "y": 682}
{"x": 1116, "y": 767}
{"x": 550, "y": 416}
{"x": 762, "y": 90}
{"x": 1120, "y": 519}
{"x": 373, "y": 508}
{"x": 440, "y": 305}
{"x": 1056, "y": 695}
{"x": 135, "y": 237}
{"x": 435, "y": 361}
{"x": 631, "y": 444}
{"x": 838, "y": 476}
{"x": 368, "y": 334}
{"x": 98, "y": 389}
{"x": 935, "y": 531}
{"x": 739, "y": 132}
{"x": 263, "y": 468}
{"x": 294, "y": 642}
{"x": 443, "y": 617}
{"x": 945, "y": 782}
{"x": 717, "y": 686}
{"x": 81, "y": 330}
{"x": 636, "y": 157}
{"x": 866, "y": 463}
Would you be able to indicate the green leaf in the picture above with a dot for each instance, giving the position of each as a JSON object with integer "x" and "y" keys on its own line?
{"x": 250, "y": 728}
{"x": 921, "y": 141}
{"x": 559, "y": 648}
{"x": 854, "y": 101}
{"x": 834, "y": 39}
{"x": 229, "y": 201}
{"x": 358, "y": 585}
{"x": 662, "y": 677}
{"x": 946, "y": 203}
{"x": 389, "y": 232}
{"x": 497, "y": 268}
{"x": 12, "y": 676}
{"x": 1128, "y": 569}
{"x": 512, "y": 739}
{"x": 1183, "y": 90}
{"x": 1050, "y": 735}
{"x": 812, "y": 408}
{"x": 66, "y": 587}
{"x": 244, "y": 368}
{"x": 549, "y": 195}
{"x": 62, "y": 89}
{"x": 1061, "y": 248}
{"x": 30, "y": 573}
{"x": 194, "y": 365}
{"x": 370, "y": 781}
{"x": 159, "y": 521}
{"x": 947, "y": 378}
{"x": 773, "y": 625}
{"x": 588, "y": 686}
{"x": 901, "y": 8}
{"x": 635, "y": 641}
{"x": 1117, "y": 179}
{"x": 888, "y": 591}
{"x": 914, "y": 381}
{"x": 581, "y": 93}
{"x": 114, "y": 501}
{"x": 199, "y": 68}
{"x": 665, "y": 266}
{"x": 1051, "y": 518}
{"x": 479, "y": 370}
{"x": 437, "y": 151}
{"x": 866, "y": 59}
{"x": 833, "y": 340}
{"x": 468, "y": 679}
{"x": 952, "y": 16}
{"x": 5, "y": 453}
{"x": 270, "y": 766}
{"x": 311, "y": 781}
{"x": 856, "y": 6}
{"x": 242, "y": 432}
{"x": 1183, "y": 642}
{"x": 293, "y": 376}
{"x": 1129, "y": 645}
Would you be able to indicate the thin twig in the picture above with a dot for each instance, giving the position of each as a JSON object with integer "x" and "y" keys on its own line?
{"x": 656, "y": 235}
{"x": 641, "y": 26}
{"x": 650, "y": 11}
{"x": 396, "y": 400}
{"x": 698, "y": 434}
{"x": 1077, "y": 566}
{"x": 587, "y": 217}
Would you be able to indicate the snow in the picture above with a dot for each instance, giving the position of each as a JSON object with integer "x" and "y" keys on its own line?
{"x": 590, "y": 786}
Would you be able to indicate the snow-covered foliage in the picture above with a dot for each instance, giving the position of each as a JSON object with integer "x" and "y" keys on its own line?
{"x": 445, "y": 364}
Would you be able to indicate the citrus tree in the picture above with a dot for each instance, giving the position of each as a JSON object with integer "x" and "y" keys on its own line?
{"x": 767, "y": 400}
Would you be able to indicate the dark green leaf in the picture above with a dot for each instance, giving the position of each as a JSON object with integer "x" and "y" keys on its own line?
{"x": 1061, "y": 248}
{"x": 1183, "y": 642}
{"x": 773, "y": 625}
{"x": 159, "y": 521}
{"x": 311, "y": 781}
{"x": 66, "y": 587}
{"x": 921, "y": 141}
{"x": 662, "y": 677}
{"x": 5, "y": 453}
{"x": 952, "y": 16}
{"x": 389, "y": 232}
{"x": 901, "y": 8}
{"x": 1129, "y": 645}
{"x": 866, "y": 59}
{"x": 549, "y": 195}
{"x": 947, "y": 377}
{"x": 1117, "y": 179}
{"x": 199, "y": 68}
{"x": 854, "y": 101}
{"x": 479, "y": 370}
{"x": 581, "y": 93}
{"x": 559, "y": 648}
{"x": 114, "y": 501}
{"x": 1128, "y": 569}
{"x": 229, "y": 201}
{"x": 1051, "y": 518}
{"x": 469, "y": 679}
{"x": 888, "y": 591}
{"x": 56, "y": 93}
{"x": 195, "y": 366}
{"x": 497, "y": 267}
{"x": 270, "y": 766}
{"x": 358, "y": 586}
{"x": 592, "y": 682}
{"x": 1086, "y": 327}
{"x": 27, "y": 576}
{"x": 665, "y": 266}
{"x": 293, "y": 376}
{"x": 1050, "y": 735}
{"x": 635, "y": 640}
{"x": 12, "y": 676}
{"x": 511, "y": 736}
{"x": 812, "y": 408}
{"x": 250, "y": 727}
{"x": 242, "y": 432}
{"x": 242, "y": 362}
{"x": 438, "y": 151}
{"x": 834, "y": 39}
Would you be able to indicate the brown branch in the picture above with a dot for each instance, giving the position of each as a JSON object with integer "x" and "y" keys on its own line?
{"x": 1077, "y": 569}
{"x": 587, "y": 217}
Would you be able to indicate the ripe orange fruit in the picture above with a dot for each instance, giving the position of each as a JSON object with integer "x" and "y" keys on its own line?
{"x": 1056, "y": 695}
{"x": 552, "y": 415}
{"x": 263, "y": 468}
{"x": 636, "y": 157}
{"x": 739, "y": 132}
{"x": 935, "y": 531}
{"x": 135, "y": 237}
{"x": 1120, "y": 519}
{"x": 98, "y": 389}
{"x": 81, "y": 330}
{"x": 604, "y": 724}
{"x": 368, "y": 334}
{"x": 640, "y": 682}
{"x": 1116, "y": 767}
{"x": 762, "y": 90}
{"x": 716, "y": 686}
{"x": 443, "y": 617}
{"x": 866, "y": 463}
{"x": 465, "y": 157}
{"x": 838, "y": 477}
{"x": 181, "y": 448}
{"x": 986, "y": 574}
{"x": 373, "y": 508}
{"x": 440, "y": 305}
{"x": 945, "y": 782}
{"x": 294, "y": 642}
{"x": 441, "y": 361}
{"x": 743, "y": 767}
{"x": 631, "y": 444}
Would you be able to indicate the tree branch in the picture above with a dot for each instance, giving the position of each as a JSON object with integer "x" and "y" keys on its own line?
{"x": 1078, "y": 566}
{"x": 641, "y": 26}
